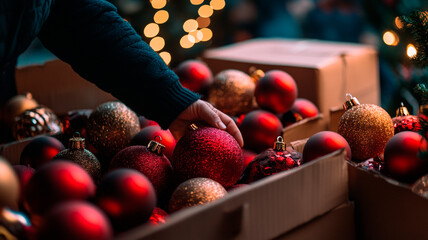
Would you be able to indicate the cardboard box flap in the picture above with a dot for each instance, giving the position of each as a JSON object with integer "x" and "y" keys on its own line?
{"x": 303, "y": 129}
{"x": 304, "y": 53}
{"x": 264, "y": 209}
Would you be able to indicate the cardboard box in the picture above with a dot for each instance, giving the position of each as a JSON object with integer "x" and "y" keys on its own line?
{"x": 303, "y": 129}
{"x": 265, "y": 209}
{"x": 324, "y": 71}
{"x": 386, "y": 209}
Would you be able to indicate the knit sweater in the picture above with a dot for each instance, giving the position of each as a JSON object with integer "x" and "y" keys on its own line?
{"x": 100, "y": 46}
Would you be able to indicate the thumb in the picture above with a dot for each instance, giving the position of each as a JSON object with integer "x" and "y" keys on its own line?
{"x": 210, "y": 115}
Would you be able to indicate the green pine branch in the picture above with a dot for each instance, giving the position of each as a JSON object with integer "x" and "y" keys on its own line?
{"x": 416, "y": 23}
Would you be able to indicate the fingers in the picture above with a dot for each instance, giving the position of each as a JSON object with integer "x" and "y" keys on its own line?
{"x": 232, "y": 128}
{"x": 209, "y": 114}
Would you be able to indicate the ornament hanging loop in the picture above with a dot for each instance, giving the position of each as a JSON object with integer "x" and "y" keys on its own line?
{"x": 402, "y": 111}
{"x": 76, "y": 142}
{"x": 156, "y": 147}
{"x": 256, "y": 74}
{"x": 279, "y": 144}
{"x": 350, "y": 101}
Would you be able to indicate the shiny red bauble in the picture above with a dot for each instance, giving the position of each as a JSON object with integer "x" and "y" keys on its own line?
{"x": 276, "y": 91}
{"x": 56, "y": 182}
{"x": 323, "y": 143}
{"x": 151, "y": 132}
{"x": 158, "y": 216}
{"x": 157, "y": 168}
{"x": 145, "y": 122}
{"x": 259, "y": 130}
{"x": 40, "y": 150}
{"x": 304, "y": 108}
{"x": 209, "y": 153}
{"x": 248, "y": 156}
{"x": 24, "y": 174}
{"x": 75, "y": 220}
{"x": 401, "y": 160}
{"x": 127, "y": 197}
{"x": 194, "y": 75}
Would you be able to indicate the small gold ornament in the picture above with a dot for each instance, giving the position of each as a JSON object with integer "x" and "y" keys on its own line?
{"x": 366, "y": 127}
{"x": 195, "y": 191}
{"x": 111, "y": 127}
{"x": 232, "y": 92}
{"x": 36, "y": 121}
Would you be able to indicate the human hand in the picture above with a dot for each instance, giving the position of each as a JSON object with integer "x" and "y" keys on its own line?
{"x": 204, "y": 111}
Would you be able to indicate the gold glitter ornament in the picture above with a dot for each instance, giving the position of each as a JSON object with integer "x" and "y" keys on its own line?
{"x": 232, "y": 92}
{"x": 195, "y": 191}
{"x": 366, "y": 127}
{"x": 77, "y": 153}
{"x": 9, "y": 185}
{"x": 111, "y": 126}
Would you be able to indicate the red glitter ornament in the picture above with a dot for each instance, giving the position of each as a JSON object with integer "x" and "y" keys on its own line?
{"x": 276, "y": 91}
{"x": 271, "y": 161}
{"x": 127, "y": 197}
{"x": 149, "y": 133}
{"x": 40, "y": 150}
{"x": 75, "y": 220}
{"x": 158, "y": 216}
{"x": 210, "y": 153}
{"x": 259, "y": 130}
{"x": 154, "y": 165}
{"x": 323, "y": 143}
{"x": 194, "y": 75}
{"x": 405, "y": 122}
{"x": 304, "y": 108}
{"x": 401, "y": 160}
{"x": 24, "y": 174}
{"x": 57, "y": 182}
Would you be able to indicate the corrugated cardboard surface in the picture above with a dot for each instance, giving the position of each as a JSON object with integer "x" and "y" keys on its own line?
{"x": 55, "y": 85}
{"x": 264, "y": 210}
{"x": 303, "y": 129}
{"x": 324, "y": 71}
{"x": 385, "y": 209}
{"x": 337, "y": 224}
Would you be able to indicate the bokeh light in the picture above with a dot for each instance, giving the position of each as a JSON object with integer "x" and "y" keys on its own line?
{"x": 390, "y": 38}
{"x": 157, "y": 43}
{"x": 203, "y": 22}
{"x": 198, "y": 35}
{"x": 217, "y": 4}
{"x": 151, "y": 30}
{"x": 166, "y": 56}
{"x": 207, "y": 34}
{"x": 190, "y": 25}
{"x": 161, "y": 16}
{"x": 411, "y": 51}
{"x": 398, "y": 23}
{"x": 158, "y": 4}
{"x": 185, "y": 42}
{"x": 196, "y": 2}
{"x": 205, "y": 11}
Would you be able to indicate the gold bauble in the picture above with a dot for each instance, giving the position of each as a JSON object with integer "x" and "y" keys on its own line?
{"x": 9, "y": 185}
{"x": 16, "y": 106}
{"x": 195, "y": 191}
{"x": 232, "y": 92}
{"x": 36, "y": 121}
{"x": 111, "y": 126}
{"x": 367, "y": 128}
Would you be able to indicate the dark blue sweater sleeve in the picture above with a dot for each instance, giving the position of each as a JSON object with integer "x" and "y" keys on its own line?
{"x": 105, "y": 49}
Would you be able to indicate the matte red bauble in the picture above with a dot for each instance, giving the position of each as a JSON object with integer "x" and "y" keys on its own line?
{"x": 208, "y": 152}
{"x": 127, "y": 197}
{"x": 403, "y": 121}
{"x": 304, "y": 108}
{"x": 158, "y": 216}
{"x": 149, "y": 133}
{"x": 57, "y": 182}
{"x": 156, "y": 167}
{"x": 401, "y": 160}
{"x": 323, "y": 143}
{"x": 270, "y": 162}
{"x": 75, "y": 220}
{"x": 24, "y": 174}
{"x": 259, "y": 130}
{"x": 145, "y": 122}
{"x": 276, "y": 91}
{"x": 194, "y": 75}
{"x": 40, "y": 151}
{"x": 248, "y": 156}
{"x": 9, "y": 185}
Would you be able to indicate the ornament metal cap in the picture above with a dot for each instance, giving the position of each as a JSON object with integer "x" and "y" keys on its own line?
{"x": 279, "y": 145}
{"x": 156, "y": 147}
{"x": 76, "y": 142}
{"x": 402, "y": 111}
{"x": 256, "y": 74}
{"x": 193, "y": 127}
{"x": 350, "y": 101}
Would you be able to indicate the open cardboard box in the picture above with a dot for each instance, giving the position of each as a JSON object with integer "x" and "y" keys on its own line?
{"x": 303, "y": 129}
{"x": 266, "y": 209}
{"x": 324, "y": 71}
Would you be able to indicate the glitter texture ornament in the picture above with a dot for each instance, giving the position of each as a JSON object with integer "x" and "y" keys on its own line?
{"x": 276, "y": 91}
{"x": 77, "y": 153}
{"x": 403, "y": 121}
{"x": 127, "y": 197}
{"x": 111, "y": 127}
{"x": 401, "y": 159}
{"x": 232, "y": 92}
{"x": 271, "y": 161}
{"x": 323, "y": 143}
{"x": 195, "y": 191}
{"x": 57, "y": 182}
{"x": 36, "y": 121}
{"x": 194, "y": 75}
{"x": 75, "y": 220}
{"x": 151, "y": 162}
{"x": 421, "y": 186}
{"x": 208, "y": 152}
{"x": 158, "y": 216}
{"x": 366, "y": 127}
{"x": 9, "y": 185}
{"x": 40, "y": 151}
